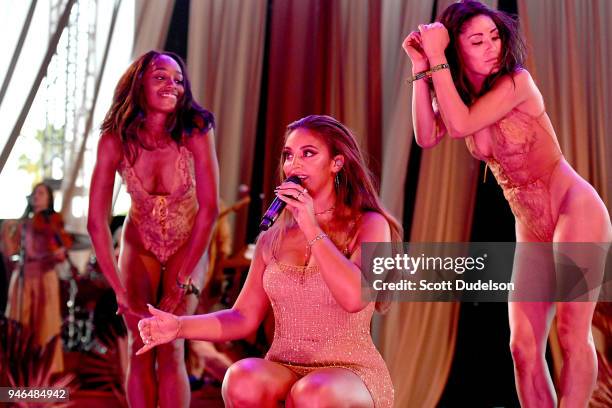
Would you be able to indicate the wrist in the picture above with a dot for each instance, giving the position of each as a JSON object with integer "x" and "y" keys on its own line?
{"x": 312, "y": 232}
{"x": 437, "y": 59}
{"x": 420, "y": 67}
{"x": 181, "y": 278}
{"x": 179, "y": 329}
{"x": 318, "y": 237}
{"x": 187, "y": 286}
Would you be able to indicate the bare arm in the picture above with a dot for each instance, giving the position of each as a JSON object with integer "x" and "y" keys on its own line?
{"x": 428, "y": 125}
{"x": 238, "y": 322}
{"x": 342, "y": 275}
{"x": 461, "y": 120}
{"x": 207, "y": 182}
{"x": 242, "y": 319}
{"x": 100, "y": 199}
{"x": 427, "y": 122}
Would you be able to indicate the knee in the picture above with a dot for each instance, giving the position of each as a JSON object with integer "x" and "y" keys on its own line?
{"x": 315, "y": 393}
{"x": 245, "y": 386}
{"x": 524, "y": 350}
{"x": 574, "y": 343}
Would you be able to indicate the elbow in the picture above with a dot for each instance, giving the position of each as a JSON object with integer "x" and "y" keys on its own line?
{"x": 354, "y": 305}
{"x": 426, "y": 144}
{"x": 431, "y": 140}
{"x": 93, "y": 225}
{"x": 458, "y": 132}
{"x": 247, "y": 323}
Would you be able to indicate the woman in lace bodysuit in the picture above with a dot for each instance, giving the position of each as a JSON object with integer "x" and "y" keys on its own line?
{"x": 161, "y": 143}
{"x": 307, "y": 267}
{"x": 492, "y": 102}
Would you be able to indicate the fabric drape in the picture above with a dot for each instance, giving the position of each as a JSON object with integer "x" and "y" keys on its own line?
{"x": 225, "y": 60}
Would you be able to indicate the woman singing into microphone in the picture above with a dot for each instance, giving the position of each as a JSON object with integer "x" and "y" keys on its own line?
{"x": 307, "y": 266}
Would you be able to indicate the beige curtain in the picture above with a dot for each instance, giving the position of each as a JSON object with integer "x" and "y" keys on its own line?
{"x": 570, "y": 60}
{"x": 225, "y": 59}
{"x": 323, "y": 60}
{"x": 152, "y": 23}
{"x": 399, "y": 18}
{"x": 418, "y": 339}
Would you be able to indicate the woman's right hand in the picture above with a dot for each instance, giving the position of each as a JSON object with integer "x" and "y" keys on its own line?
{"x": 158, "y": 329}
{"x": 414, "y": 48}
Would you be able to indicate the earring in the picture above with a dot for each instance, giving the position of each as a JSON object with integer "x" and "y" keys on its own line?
{"x": 337, "y": 180}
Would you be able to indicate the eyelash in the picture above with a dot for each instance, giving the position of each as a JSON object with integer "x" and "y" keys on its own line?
{"x": 478, "y": 43}
{"x": 307, "y": 154}
{"x": 162, "y": 78}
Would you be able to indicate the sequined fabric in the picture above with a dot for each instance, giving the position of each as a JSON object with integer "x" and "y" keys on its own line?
{"x": 312, "y": 331}
{"x": 164, "y": 222}
{"x": 524, "y": 154}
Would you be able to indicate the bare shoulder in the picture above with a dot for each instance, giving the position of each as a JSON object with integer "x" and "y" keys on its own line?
{"x": 200, "y": 140}
{"x": 518, "y": 81}
{"x": 263, "y": 247}
{"x": 373, "y": 224}
{"x": 533, "y": 104}
{"x": 110, "y": 142}
{"x": 110, "y": 149}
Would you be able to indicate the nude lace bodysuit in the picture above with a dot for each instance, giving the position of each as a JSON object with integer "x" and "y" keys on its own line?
{"x": 524, "y": 154}
{"x": 312, "y": 331}
{"x": 164, "y": 222}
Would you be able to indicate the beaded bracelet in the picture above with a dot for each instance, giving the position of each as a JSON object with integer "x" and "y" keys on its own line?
{"x": 322, "y": 235}
{"x": 427, "y": 73}
{"x": 188, "y": 287}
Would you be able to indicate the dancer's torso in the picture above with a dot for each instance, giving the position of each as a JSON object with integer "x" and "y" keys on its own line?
{"x": 164, "y": 221}
{"x": 523, "y": 153}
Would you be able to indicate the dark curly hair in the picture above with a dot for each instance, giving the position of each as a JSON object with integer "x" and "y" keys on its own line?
{"x": 128, "y": 111}
{"x": 514, "y": 50}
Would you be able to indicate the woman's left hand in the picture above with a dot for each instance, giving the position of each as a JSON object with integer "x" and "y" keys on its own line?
{"x": 171, "y": 299}
{"x": 60, "y": 254}
{"x": 434, "y": 39}
{"x": 299, "y": 203}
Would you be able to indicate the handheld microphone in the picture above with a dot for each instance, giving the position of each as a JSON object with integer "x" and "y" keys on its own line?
{"x": 276, "y": 208}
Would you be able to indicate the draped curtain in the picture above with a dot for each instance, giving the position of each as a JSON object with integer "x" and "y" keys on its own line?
{"x": 418, "y": 339}
{"x": 324, "y": 59}
{"x": 225, "y": 60}
{"x": 152, "y": 23}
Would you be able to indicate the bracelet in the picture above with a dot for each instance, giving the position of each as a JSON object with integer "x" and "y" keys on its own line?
{"x": 427, "y": 73}
{"x": 180, "y": 326}
{"x": 322, "y": 235}
{"x": 188, "y": 287}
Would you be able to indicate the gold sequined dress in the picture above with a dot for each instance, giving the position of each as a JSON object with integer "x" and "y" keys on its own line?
{"x": 312, "y": 330}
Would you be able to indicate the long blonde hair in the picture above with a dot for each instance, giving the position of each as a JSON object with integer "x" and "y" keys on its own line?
{"x": 355, "y": 186}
